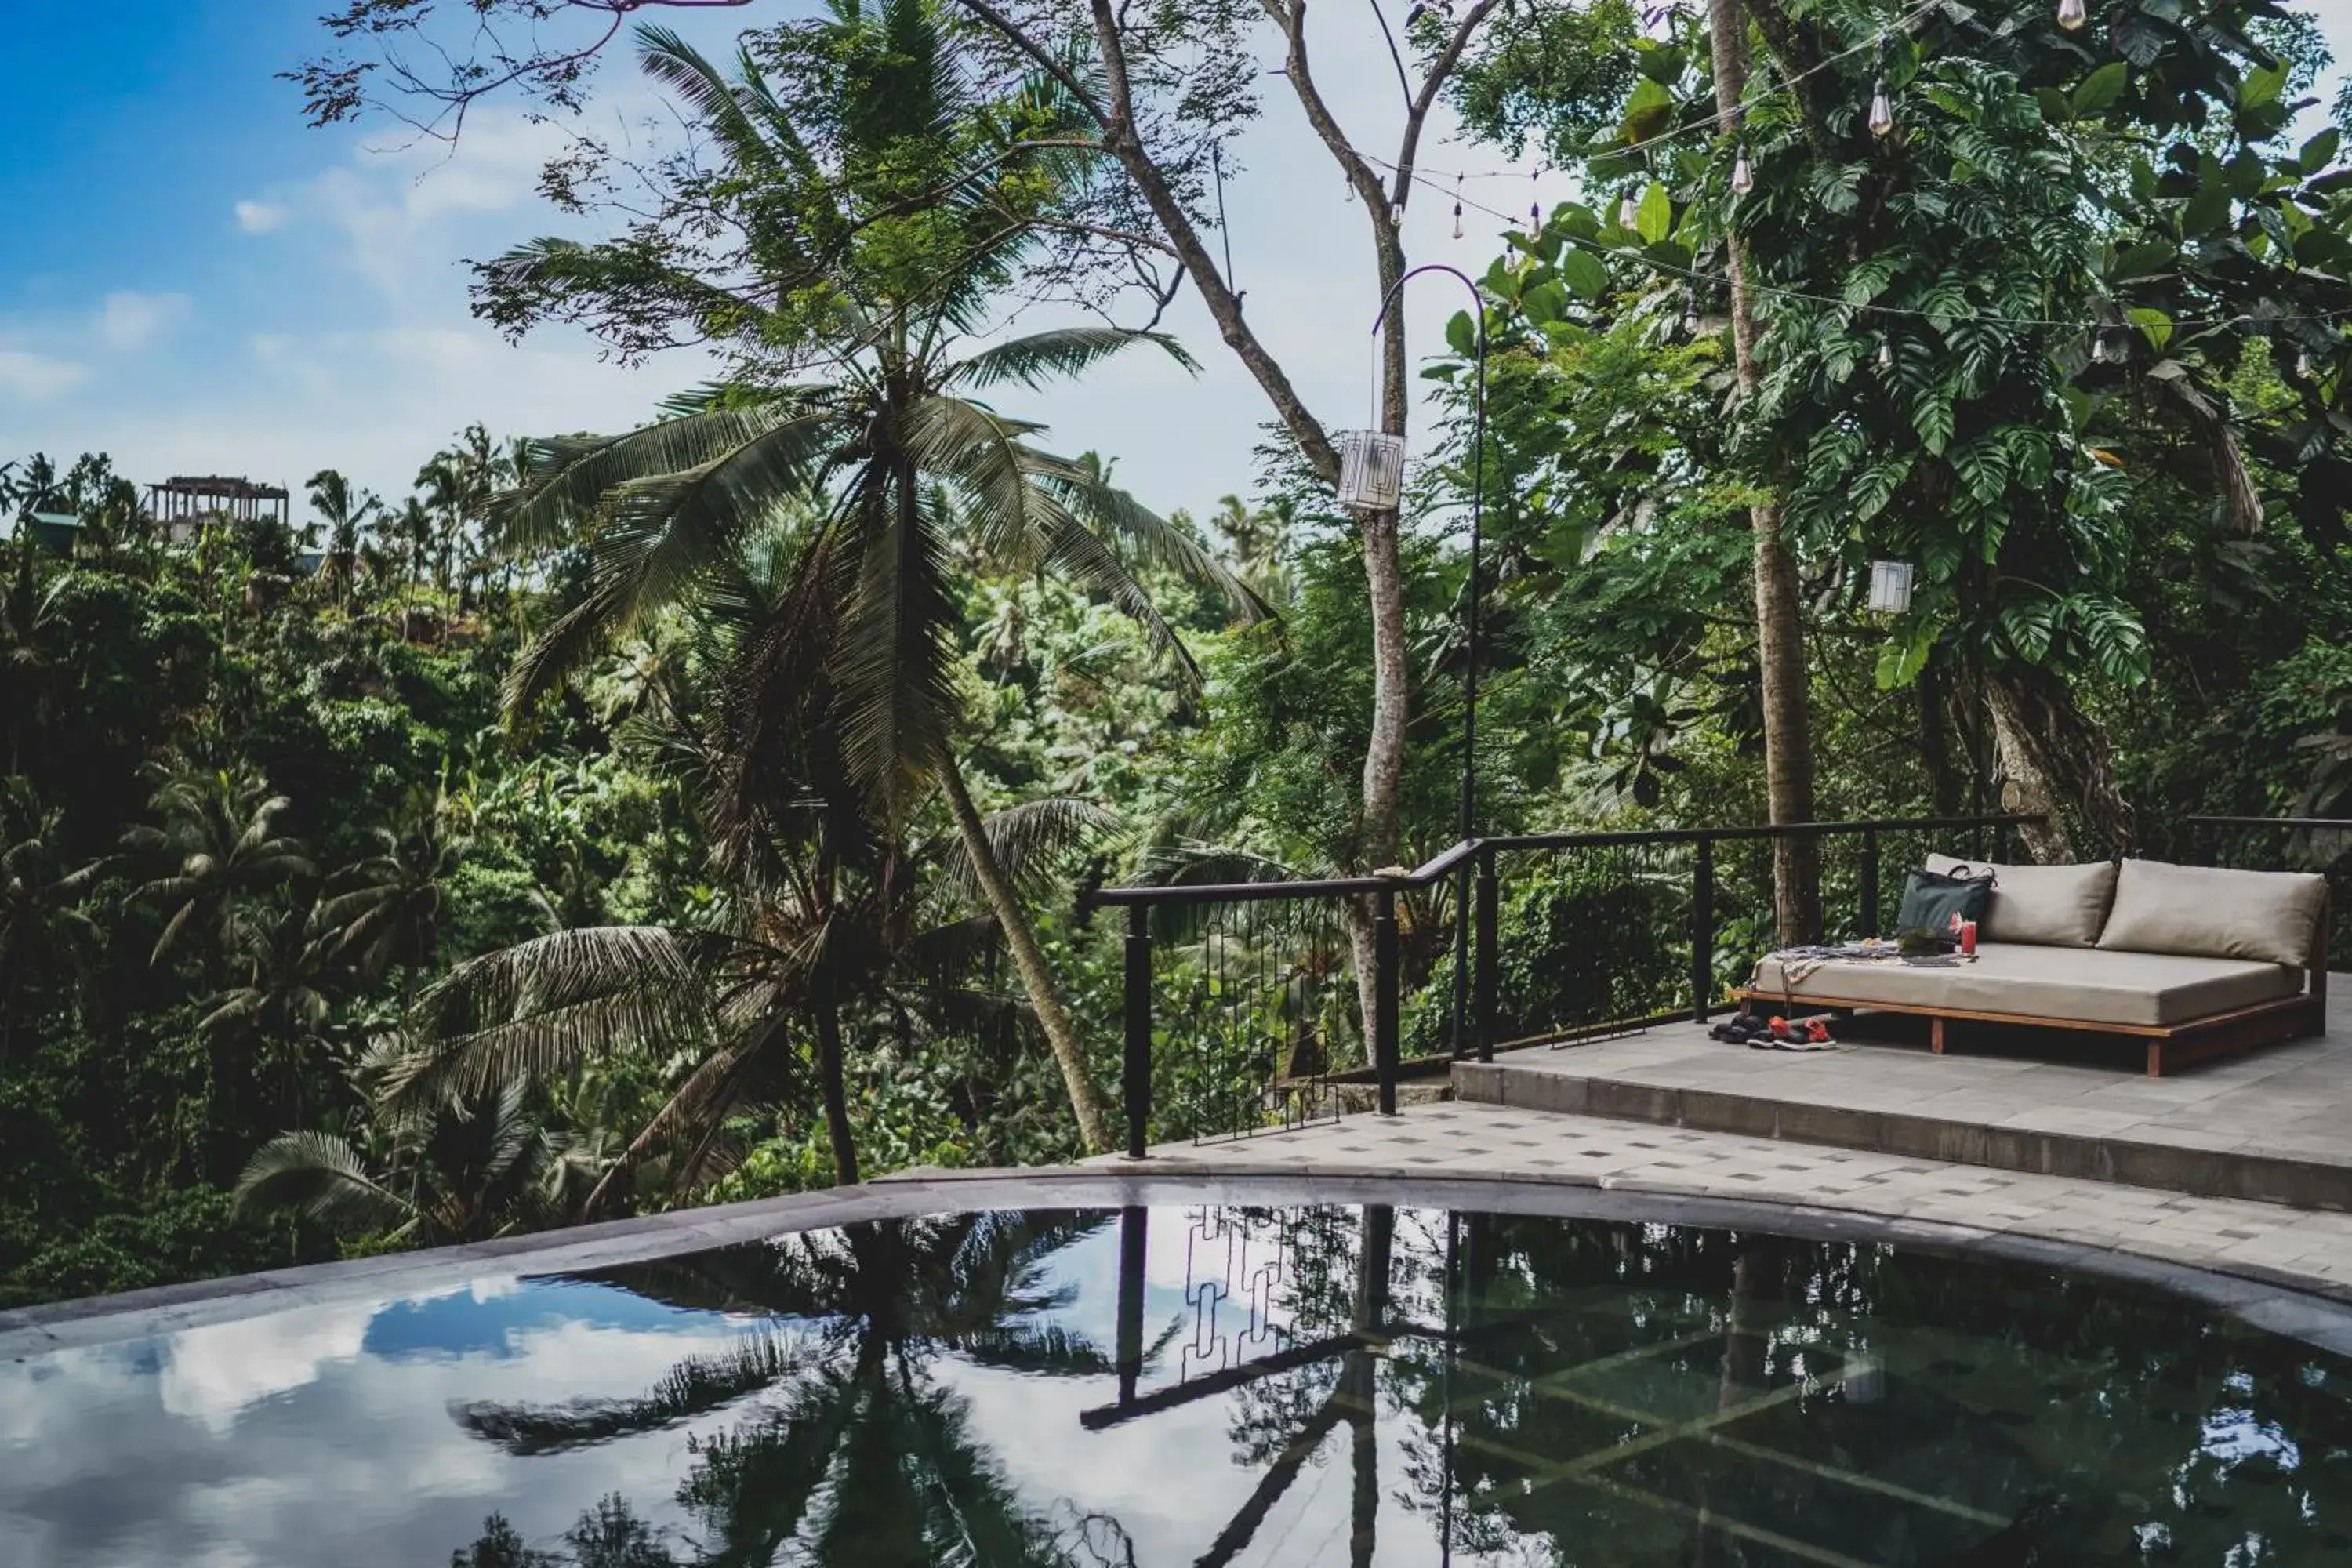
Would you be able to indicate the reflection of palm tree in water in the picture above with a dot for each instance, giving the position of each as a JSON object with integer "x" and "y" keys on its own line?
{"x": 850, "y": 1445}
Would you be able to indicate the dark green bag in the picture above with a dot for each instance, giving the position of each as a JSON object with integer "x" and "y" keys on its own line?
{"x": 1930, "y": 900}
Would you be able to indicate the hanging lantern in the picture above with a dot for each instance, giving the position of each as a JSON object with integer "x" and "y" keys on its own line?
{"x": 2072, "y": 15}
{"x": 1372, "y": 470}
{"x": 1890, "y": 586}
{"x": 1886, "y": 354}
{"x": 1743, "y": 174}
{"x": 1882, "y": 110}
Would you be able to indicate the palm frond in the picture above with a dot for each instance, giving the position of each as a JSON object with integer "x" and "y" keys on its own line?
{"x": 321, "y": 1177}
{"x": 1029, "y": 841}
{"x": 1040, "y": 358}
{"x": 544, "y": 1004}
{"x": 893, "y": 666}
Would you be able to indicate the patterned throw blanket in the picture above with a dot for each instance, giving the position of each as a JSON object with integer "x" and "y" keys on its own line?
{"x": 1798, "y": 964}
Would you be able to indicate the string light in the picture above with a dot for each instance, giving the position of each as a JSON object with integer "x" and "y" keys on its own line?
{"x": 1535, "y": 207}
{"x": 1396, "y": 214}
{"x": 2072, "y": 15}
{"x": 1743, "y": 174}
{"x": 1607, "y": 250}
{"x": 1629, "y": 211}
{"x": 1882, "y": 112}
{"x": 1457, "y": 207}
{"x": 2303, "y": 365}
{"x": 1886, "y": 354}
{"x": 2098, "y": 348}
{"x": 1690, "y": 310}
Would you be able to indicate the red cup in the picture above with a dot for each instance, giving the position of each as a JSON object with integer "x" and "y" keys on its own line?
{"x": 1969, "y": 938}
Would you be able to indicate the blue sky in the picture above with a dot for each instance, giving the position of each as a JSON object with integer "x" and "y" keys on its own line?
{"x": 194, "y": 281}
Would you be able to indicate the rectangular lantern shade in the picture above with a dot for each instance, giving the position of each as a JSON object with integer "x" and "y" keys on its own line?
{"x": 1890, "y": 586}
{"x": 1372, "y": 470}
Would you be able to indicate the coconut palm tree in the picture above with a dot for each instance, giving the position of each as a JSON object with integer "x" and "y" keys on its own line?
{"x": 909, "y": 471}
{"x": 347, "y": 514}
{"x": 458, "y": 1169}
{"x": 218, "y": 833}
{"x": 386, "y": 908}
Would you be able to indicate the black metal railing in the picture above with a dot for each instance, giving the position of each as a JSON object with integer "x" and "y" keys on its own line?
{"x": 1244, "y": 1001}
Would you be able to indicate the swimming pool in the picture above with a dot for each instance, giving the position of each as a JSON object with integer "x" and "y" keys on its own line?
{"x": 1206, "y": 1383}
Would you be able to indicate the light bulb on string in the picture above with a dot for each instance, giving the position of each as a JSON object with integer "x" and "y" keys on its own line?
{"x": 1882, "y": 108}
{"x": 2098, "y": 348}
{"x": 1690, "y": 310}
{"x": 1457, "y": 207}
{"x": 1396, "y": 214}
{"x": 1629, "y": 211}
{"x": 2072, "y": 15}
{"x": 1886, "y": 354}
{"x": 1535, "y": 206}
{"x": 2303, "y": 365}
{"x": 1743, "y": 174}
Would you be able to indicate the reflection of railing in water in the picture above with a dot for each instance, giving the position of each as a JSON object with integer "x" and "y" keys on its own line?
{"x": 1230, "y": 1244}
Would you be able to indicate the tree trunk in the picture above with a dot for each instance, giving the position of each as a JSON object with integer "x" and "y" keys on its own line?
{"x": 1086, "y": 1101}
{"x": 2054, "y": 759}
{"x": 1779, "y": 631}
{"x": 833, "y": 1086}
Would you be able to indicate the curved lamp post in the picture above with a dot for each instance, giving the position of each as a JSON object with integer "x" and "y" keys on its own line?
{"x": 1372, "y": 466}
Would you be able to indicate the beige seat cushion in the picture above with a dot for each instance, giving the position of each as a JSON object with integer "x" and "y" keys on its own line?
{"x": 2059, "y": 906}
{"x": 2265, "y": 917}
{"x": 2090, "y": 986}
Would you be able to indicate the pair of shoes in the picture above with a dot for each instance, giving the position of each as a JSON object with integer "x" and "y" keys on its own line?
{"x": 1805, "y": 1035}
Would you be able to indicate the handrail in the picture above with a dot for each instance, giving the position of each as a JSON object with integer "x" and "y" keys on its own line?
{"x": 1477, "y": 956}
{"x": 2336, "y": 822}
{"x": 1451, "y": 858}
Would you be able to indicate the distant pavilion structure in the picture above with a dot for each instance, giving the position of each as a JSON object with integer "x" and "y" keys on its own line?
{"x": 181, "y": 504}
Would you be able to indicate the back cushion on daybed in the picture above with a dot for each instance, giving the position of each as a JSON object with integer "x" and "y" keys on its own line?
{"x": 2200, "y": 912}
{"x": 2054, "y": 905}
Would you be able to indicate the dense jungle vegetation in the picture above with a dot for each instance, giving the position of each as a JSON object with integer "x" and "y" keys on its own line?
{"x": 696, "y": 811}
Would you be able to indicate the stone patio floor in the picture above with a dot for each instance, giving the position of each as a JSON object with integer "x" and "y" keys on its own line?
{"x": 2270, "y": 1242}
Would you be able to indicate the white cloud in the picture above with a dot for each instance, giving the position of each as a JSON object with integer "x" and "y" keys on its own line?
{"x": 131, "y": 321}
{"x": 260, "y": 217}
{"x": 30, "y": 377}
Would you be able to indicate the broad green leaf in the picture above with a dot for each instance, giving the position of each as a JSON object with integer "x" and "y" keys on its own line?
{"x": 2101, "y": 88}
{"x": 2146, "y": 259}
{"x": 2262, "y": 85}
{"x": 2320, "y": 151}
{"x": 1649, "y": 110}
{"x": 1655, "y": 218}
{"x": 1545, "y": 303}
{"x": 1462, "y": 334}
{"x": 2154, "y": 324}
{"x": 1660, "y": 63}
{"x": 1582, "y": 271}
{"x": 1899, "y": 663}
{"x": 2207, "y": 211}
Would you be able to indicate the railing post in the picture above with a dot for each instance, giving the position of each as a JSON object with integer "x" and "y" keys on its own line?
{"x": 1384, "y": 999}
{"x": 1702, "y": 968}
{"x": 1138, "y": 1068}
{"x": 1870, "y": 881}
{"x": 1483, "y": 969}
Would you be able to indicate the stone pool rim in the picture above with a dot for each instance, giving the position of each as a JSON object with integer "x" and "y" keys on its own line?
{"x": 2274, "y": 1302}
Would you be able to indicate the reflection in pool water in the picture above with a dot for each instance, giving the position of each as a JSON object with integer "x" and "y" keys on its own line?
{"x": 1203, "y": 1386}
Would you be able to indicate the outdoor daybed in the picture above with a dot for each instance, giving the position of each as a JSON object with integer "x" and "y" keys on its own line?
{"x": 2195, "y": 961}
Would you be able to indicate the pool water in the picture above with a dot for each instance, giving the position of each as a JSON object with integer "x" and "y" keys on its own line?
{"x": 1203, "y": 1386}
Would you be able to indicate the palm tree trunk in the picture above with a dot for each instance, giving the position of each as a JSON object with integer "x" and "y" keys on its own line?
{"x": 1779, "y": 632}
{"x": 830, "y": 1083}
{"x": 1086, "y": 1101}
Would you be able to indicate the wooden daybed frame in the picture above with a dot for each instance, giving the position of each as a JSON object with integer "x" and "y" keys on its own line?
{"x": 2169, "y": 1045}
